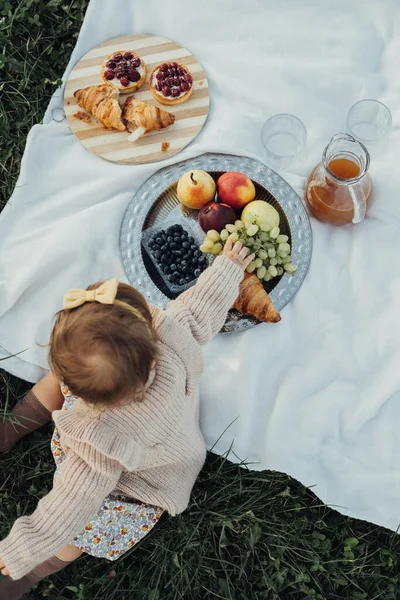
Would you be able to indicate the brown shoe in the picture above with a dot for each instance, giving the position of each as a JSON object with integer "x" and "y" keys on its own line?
{"x": 27, "y": 416}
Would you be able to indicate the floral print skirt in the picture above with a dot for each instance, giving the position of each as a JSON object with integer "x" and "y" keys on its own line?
{"x": 119, "y": 524}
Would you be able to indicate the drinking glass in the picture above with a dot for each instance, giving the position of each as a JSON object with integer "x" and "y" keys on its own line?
{"x": 369, "y": 121}
{"x": 284, "y": 138}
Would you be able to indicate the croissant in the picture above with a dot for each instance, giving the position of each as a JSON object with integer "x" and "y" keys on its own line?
{"x": 102, "y": 102}
{"x": 254, "y": 300}
{"x": 142, "y": 118}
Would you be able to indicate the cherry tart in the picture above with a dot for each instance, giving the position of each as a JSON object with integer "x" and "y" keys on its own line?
{"x": 171, "y": 83}
{"x": 124, "y": 70}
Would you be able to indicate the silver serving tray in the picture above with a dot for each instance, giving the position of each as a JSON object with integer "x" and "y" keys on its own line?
{"x": 156, "y": 199}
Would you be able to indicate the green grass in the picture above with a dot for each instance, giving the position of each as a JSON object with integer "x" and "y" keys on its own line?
{"x": 246, "y": 535}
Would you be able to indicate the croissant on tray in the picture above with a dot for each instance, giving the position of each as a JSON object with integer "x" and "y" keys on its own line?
{"x": 141, "y": 118}
{"x": 254, "y": 300}
{"x": 102, "y": 103}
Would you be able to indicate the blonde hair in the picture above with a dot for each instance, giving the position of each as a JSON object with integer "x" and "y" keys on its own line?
{"x": 104, "y": 352}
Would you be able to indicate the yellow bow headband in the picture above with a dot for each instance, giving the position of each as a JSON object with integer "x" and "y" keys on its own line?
{"x": 104, "y": 294}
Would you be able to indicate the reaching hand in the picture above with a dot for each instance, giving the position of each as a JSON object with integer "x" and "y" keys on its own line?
{"x": 238, "y": 254}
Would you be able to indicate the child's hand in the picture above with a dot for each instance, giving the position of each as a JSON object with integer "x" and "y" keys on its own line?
{"x": 238, "y": 254}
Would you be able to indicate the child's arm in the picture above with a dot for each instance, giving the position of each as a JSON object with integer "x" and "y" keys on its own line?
{"x": 203, "y": 308}
{"x": 62, "y": 514}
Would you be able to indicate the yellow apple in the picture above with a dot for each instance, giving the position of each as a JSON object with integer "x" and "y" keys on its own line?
{"x": 263, "y": 213}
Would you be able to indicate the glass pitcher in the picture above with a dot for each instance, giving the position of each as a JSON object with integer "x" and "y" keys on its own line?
{"x": 339, "y": 188}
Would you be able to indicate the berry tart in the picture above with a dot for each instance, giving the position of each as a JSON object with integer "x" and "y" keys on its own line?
{"x": 124, "y": 70}
{"x": 171, "y": 83}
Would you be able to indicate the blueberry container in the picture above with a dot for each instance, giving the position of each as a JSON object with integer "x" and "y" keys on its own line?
{"x": 193, "y": 229}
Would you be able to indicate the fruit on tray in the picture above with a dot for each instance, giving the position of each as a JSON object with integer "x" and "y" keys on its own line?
{"x": 254, "y": 300}
{"x": 125, "y": 70}
{"x": 235, "y": 189}
{"x": 102, "y": 103}
{"x": 141, "y": 118}
{"x": 171, "y": 83}
{"x": 262, "y": 213}
{"x": 196, "y": 189}
{"x": 216, "y": 215}
{"x": 271, "y": 248}
{"x": 177, "y": 255}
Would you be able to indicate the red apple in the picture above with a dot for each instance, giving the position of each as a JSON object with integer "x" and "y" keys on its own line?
{"x": 235, "y": 189}
{"x": 215, "y": 216}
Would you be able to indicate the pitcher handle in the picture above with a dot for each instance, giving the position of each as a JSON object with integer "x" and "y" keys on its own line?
{"x": 359, "y": 200}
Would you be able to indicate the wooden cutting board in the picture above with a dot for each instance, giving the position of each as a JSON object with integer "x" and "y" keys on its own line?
{"x": 113, "y": 145}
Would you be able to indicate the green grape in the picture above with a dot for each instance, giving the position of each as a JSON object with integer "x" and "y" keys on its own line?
{"x": 261, "y": 272}
{"x": 282, "y": 238}
{"x": 213, "y": 235}
{"x": 284, "y": 247}
{"x": 281, "y": 253}
{"x": 216, "y": 249}
{"x": 265, "y": 227}
{"x": 231, "y": 228}
{"x": 272, "y": 253}
{"x": 264, "y": 237}
{"x": 239, "y": 225}
{"x": 233, "y": 237}
{"x": 224, "y": 235}
{"x": 250, "y": 218}
{"x": 272, "y": 271}
{"x": 274, "y": 232}
{"x": 258, "y": 262}
{"x": 280, "y": 271}
{"x": 251, "y": 267}
{"x": 267, "y": 276}
{"x": 206, "y": 246}
{"x": 262, "y": 254}
{"x": 286, "y": 260}
{"x": 290, "y": 268}
{"x": 273, "y": 261}
{"x": 252, "y": 230}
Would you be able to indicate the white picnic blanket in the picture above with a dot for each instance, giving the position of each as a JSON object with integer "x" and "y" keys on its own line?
{"x": 318, "y": 395}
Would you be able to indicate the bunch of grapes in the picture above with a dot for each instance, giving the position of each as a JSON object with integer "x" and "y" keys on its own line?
{"x": 271, "y": 248}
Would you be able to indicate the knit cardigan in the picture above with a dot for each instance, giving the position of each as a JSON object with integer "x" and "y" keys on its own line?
{"x": 151, "y": 451}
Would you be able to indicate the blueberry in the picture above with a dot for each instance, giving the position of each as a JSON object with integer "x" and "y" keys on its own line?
{"x": 182, "y": 282}
{"x": 176, "y": 274}
{"x": 201, "y": 260}
{"x": 188, "y": 278}
{"x": 184, "y": 263}
{"x": 186, "y": 270}
{"x": 157, "y": 254}
{"x": 190, "y": 239}
{"x": 193, "y": 247}
{"x": 173, "y": 246}
{"x": 186, "y": 245}
{"x": 177, "y": 252}
{"x": 195, "y": 260}
{"x": 167, "y": 269}
{"x": 164, "y": 259}
{"x": 197, "y": 273}
{"x": 171, "y": 278}
{"x": 173, "y": 267}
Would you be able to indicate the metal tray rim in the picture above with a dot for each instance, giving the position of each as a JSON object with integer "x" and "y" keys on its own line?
{"x": 147, "y": 195}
